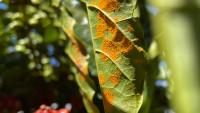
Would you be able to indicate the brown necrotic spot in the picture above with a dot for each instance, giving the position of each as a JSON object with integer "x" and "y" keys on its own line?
{"x": 109, "y": 5}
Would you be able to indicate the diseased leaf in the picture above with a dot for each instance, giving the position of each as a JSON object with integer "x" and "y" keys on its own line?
{"x": 75, "y": 48}
{"x": 77, "y": 53}
{"x": 118, "y": 45}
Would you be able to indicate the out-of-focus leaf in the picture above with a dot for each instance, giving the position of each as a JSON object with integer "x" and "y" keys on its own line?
{"x": 153, "y": 50}
{"x": 176, "y": 32}
{"x": 149, "y": 90}
{"x": 90, "y": 107}
{"x": 77, "y": 53}
{"x": 51, "y": 34}
{"x": 36, "y": 1}
{"x": 48, "y": 70}
{"x": 35, "y": 18}
{"x": 78, "y": 57}
{"x": 1, "y": 26}
{"x": 20, "y": 48}
{"x": 85, "y": 87}
{"x": 46, "y": 7}
{"x": 118, "y": 41}
{"x": 74, "y": 7}
{"x": 56, "y": 3}
{"x": 30, "y": 9}
{"x": 82, "y": 31}
{"x": 14, "y": 24}
{"x": 13, "y": 16}
{"x": 36, "y": 38}
{"x": 87, "y": 93}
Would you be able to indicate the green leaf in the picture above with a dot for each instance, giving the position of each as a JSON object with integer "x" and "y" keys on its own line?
{"x": 118, "y": 45}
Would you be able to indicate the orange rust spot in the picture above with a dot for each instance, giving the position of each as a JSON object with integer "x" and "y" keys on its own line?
{"x": 103, "y": 58}
{"x": 114, "y": 49}
{"x": 101, "y": 79}
{"x": 108, "y": 96}
{"x": 117, "y": 43}
{"x": 101, "y": 26}
{"x": 115, "y": 78}
{"x": 104, "y": 25}
{"x": 109, "y": 5}
{"x": 111, "y": 49}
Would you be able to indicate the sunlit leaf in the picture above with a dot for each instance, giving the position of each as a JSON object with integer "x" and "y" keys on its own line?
{"x": 117, "y": 40}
